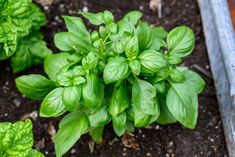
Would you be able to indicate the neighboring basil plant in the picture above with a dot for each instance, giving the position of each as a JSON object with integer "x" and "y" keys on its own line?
{"x": 20, "y": 38}
{"x": 16, "y": 140}
{"x": 124, "y": 72}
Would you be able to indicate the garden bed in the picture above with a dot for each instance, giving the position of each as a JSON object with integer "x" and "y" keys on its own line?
{"x": 206, "y": 140}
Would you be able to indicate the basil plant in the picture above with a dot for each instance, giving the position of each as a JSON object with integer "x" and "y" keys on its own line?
{"x": 20, "y": 38}
{"x": 16, "y": 140}
{"x": 125, "y": 73}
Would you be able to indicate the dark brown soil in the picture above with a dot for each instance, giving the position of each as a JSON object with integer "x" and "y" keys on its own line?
{"x": 207, "y": 140}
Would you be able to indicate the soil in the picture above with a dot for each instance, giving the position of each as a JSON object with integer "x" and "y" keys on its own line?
{"x": 207, "y": 140}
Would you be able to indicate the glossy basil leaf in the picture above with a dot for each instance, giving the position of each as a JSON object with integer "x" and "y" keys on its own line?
{"x": 161, "y": 75}
{"x": 108, "y": 17}
{"x": 71, "y": 97}
{"x": 174, "y": 59}
{"x": 52, "y": 105}
{"x": 141, "y": 119}
{"x": 96, "y": 134}
{"x": 99, "y": 117}
{"x": 35, "y": 153}
{"x": 144, "y": 34}
{"x": 65, "y": 78}
{"x": 34, "y": 86}
{"x": 119, "y": 100}
{"x": 135, "y": 67}
{"x": 152, "y": 61}
{"x": 76, "y": 26}
{"x": 116, "y": 69}
{"x": 62, "y": 41}
{"x": 54, "y": 63}
{"x": 94, "y": 18}
{"x": 92, "y": 91}
{"x": 165, "y": 116}
{"x": 90, "y": 61}
{"x": 143, "y": 96}
{"x": 125, "y": 26}
{"x": 159, "y": 33}
{"x": 183, "y": 104}
{"x": 119, "y": 123}
{"x": 133, "y": 17}
{"x": 71, "y": 127}
{"x": 132, "y": 48}
{"x": 194, "y": 81}
{"x": 177, "y": 75}
{"x": 180, "y": 41}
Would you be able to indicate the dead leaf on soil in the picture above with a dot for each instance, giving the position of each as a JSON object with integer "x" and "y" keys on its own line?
{"x": 51, "y": 131}
{"x": 91, "y": 145}
{"x": 33, "y": 115}
{"x": 129, "y": 141}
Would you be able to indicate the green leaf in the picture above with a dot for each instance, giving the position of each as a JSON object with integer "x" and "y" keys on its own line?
{"x": 165, "y": 116}
{"x": 133, "y": 17}
{"x": 159, "y": 34}
{"x": 141, "y": 119}
{"x": 152, "y": 61}
{"x": 71, "y": 97}
{"x": 119, "y": 123}
{"x": 94, "y": 18}
{"x": 183, "y": 104}
{"x": 96, "y": 134}
{"x": 76, "y": 26}
{"x": 116, "y": 69}
{"x": 16, "y": 139}
{"x": 92, "y": 91}
{"x": 143, "y": 96}
{"x": 99, "y": 117}
{"x": 194, "y": 81}
{"x": 90, "y": 61}
{"x": 132, "y": 48}
{"x": 180, "y": 41}
{"x": 35, "y": 153}
{"x": 54, "y": 63}
{"x": 34, "y": 86}
{"x": 135, "y": 66}
{"x": 125, "y": 26}
{"x": 161, "y": 88}
{"x": 108, "y": 17}
{"x": 52, "y": 105}
{"x": 71, "y": 127}
{"x": 119, "y": 100}
{"x": 65, "y": 78}
{"x": 144, "y": 34}
{"x": 62, "y": 41}
{"x": 177, "y": 75}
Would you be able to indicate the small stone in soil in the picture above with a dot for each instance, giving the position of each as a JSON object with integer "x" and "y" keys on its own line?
{"x": 16, "y": 102}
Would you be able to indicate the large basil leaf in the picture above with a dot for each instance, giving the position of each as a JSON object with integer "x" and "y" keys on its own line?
{"x": 159, "y": 33}
{"x": 183, "y": 104}
{"x": 92, "y": 91}
{"x": 71, "y": 127}
{"x": 135, "y": 66}
{"x": 116, "y": 69}
{"x": 177, "y": 75}
{"x": 152, "y": 61}
{"x": 144, "y": 97}
{"x": 180, "y": 41}
{"x": 54, "y": 63}
{"x": 94, "y": 18}
{"x": 34, "y": 86}
{"x": 144, "y": 34}
{"x": 120, "y": 100}
{"x": 119, "y": 123}
{"x": 194, "y": 81}
{"x": 52, "y": 105}
{"x": 71, "y": 97}
{"x": 133, "y": 17}
{"x": 141, "y": 119}
{"x": 76, "y": 26}
{"x": 35, "y": 153}
{"x": 62, "y": 41}
{"x": 99, "y": 117}
{"x": 132, "y": 48}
